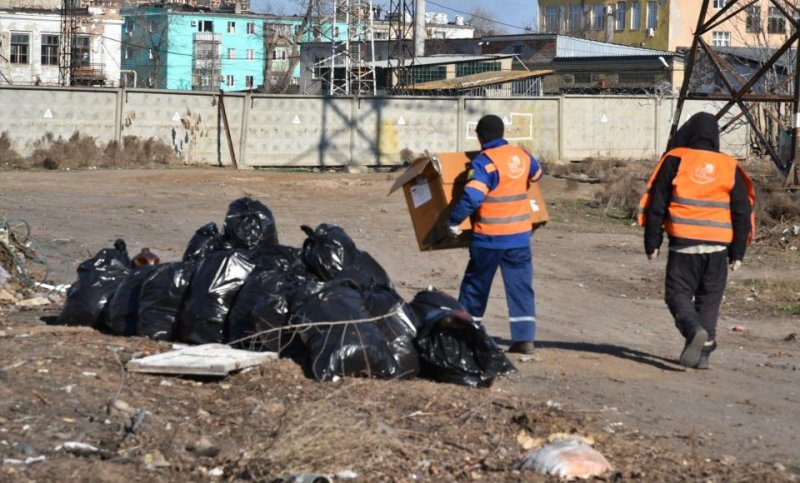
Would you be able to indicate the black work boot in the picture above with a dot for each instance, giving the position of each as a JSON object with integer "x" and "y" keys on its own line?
{"x": 696, "y": 338}
{"x": 522, "y": 347}
{"x": 708, "y": 348}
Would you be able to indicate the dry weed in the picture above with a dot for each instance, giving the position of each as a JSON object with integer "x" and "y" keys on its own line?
{"x": 8, "y": 157}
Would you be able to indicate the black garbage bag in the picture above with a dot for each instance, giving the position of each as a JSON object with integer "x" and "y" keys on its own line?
{"x": 160, "y": 299}
{"x": 249, "y": 224}
{"x": 123, "y": 306}
{"x": 278, "y": 257}
{"x": 452, "y": 346}
{"x": 98, "y": 278}
{"x": 204, "y": 241}
{"x": 338, "y": 349}
{"x": 328, "y": 250}
{"x": 365, "y": 271}
{"x": 398, "y": 326}
{"x": 215, "y": 283}
{"x": 263, "y": 305}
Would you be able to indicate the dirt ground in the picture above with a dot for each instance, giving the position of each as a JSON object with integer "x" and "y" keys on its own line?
{"x": 606, "y": 366}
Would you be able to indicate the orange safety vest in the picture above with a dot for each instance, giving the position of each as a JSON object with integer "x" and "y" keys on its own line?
{"x": 700, "y": 204}
{"x": 506, "y": 209}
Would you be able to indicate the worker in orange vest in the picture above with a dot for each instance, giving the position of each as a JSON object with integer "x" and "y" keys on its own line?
{"x": 496, "y": 193}
{"x": 704, "y": 201}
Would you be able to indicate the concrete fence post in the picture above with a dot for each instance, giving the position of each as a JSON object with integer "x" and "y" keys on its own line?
{"x": 461, "y": 125}
{"x": 657, "y": 126}
{"x": 248, "y": 100}
{"x": 560, "y": 128}
{"x": 118, "y": 116}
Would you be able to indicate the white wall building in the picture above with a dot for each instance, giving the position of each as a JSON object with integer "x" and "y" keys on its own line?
{"x": 30, "y": 47}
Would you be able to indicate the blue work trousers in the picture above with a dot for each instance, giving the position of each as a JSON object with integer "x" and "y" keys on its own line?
{"x": 517, "y": 270}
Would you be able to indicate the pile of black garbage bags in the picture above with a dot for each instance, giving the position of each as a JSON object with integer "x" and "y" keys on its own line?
{"x": 328, "y": 305}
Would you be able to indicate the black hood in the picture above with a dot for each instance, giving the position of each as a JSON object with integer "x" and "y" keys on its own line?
{"x": 701, "y": 131}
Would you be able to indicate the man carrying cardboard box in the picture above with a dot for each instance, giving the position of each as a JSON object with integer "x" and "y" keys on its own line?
{"x": 497, "y": 193}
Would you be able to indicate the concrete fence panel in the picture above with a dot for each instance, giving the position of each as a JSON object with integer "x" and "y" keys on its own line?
{"x": 31, "y": 112}
{"x": 384, "y": 126}
{"x": 530, "y": 123}
{"x": 298, "y": 131}
{"x": 189, "y": 122}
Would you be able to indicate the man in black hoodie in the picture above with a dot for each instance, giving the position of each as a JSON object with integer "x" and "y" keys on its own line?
{"x": 703, "y": 200}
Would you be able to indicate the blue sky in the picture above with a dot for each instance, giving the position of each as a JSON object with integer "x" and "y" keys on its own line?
{"x": 511, "y": 15}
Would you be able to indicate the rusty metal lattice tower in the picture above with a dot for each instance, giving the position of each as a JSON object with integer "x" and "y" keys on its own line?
{"x": 759, "y": 97}
{"x": 69, "y": 25}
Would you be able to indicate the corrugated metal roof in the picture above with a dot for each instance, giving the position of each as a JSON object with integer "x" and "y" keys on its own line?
{"x": 480, "y": 79}
{"x": 438, "y": 59}
{"x": 571, "y": 47}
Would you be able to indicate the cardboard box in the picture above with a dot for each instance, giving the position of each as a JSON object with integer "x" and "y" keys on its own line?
{"x": 432, "y": 184}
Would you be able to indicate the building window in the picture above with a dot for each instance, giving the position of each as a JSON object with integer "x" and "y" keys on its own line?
{"x": 248, "y": 81}
{"x": 231, "y": 27}
{"x": 599, "y": 17}
{"x": 552, "y": 19}
{"x": 720, "y": 3}
{"x": 620, "y": 16}
{"x": 721, "y": 39}
{"x": 231, "y": 54}
{"x": 250, "y": 54}
{"x": 20, "y": 48}
{"x": 251, "y": 28}
{"x": 575, "y": 20}
{"x": 80, "y": 51}
{"x": 205, "y": 81}
{"x": 127, "y": 53}
{"x": 50, "y": 49}
{"x": 130, "y": 26}
{"x": 636, "y": 16}
{"x": 205, "y": 26}
{"x": 153, "y": 26}
{"x": 652, "y": 15}
{"x": 230, "y": 80}
{"x": 150, "y": 54}
{"x": 753, "y": 24}
{"x": 776, "y": 22}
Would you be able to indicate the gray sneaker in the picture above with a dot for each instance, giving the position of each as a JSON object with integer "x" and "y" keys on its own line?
{"x": 521, "y": 347}
{"x": 708, "y": 348}
{"x": 693, "y": 350}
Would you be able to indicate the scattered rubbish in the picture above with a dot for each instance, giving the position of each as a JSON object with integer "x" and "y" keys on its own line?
{"x": 216, "y": 472}
{"x": 143, "y": 258}
{"x": 27, "y": 461}
{"x": 527, "y": 442}
{"x": 570, "y": 457}
{"x": 61, "y": 288}
{"x": 203, "y": 447}
{"x": 347, "y": 475}
{"x": 206, "y": 360}
{"x": 4, "y": 277}
{"x": 89, "y": 374}
{"x": 80, "y": 449}
{"x": 305, "y": 479}
{"x": 33, "y": 302}
{"x": 529, "y": 359}
{"x": 793, "y": 337}
{"x": 156, "y": 460}
{"x": 739, "y": 328}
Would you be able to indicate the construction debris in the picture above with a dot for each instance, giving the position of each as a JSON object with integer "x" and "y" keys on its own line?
{"x": 201, "y": 360}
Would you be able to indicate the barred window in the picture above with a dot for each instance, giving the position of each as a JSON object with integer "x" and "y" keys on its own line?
{"x": 20, "y": 48}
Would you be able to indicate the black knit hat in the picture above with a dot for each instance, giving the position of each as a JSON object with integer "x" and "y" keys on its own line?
{"x": 489, "y": 128}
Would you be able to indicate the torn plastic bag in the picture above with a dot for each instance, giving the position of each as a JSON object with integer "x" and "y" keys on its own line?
{"x": 328, "y": 250}
{"x": 263, "y": 305}
{"x": 398, "y": 326}
{"x": 123, "y": 306}
{"x": 215, "y": 283}
{"x": 98, "y": 278}
{"x": 204, "y": 241}
{"x": 343, "y": 349}
{"x": 452, "y": 346}
{"x": 249, "y": 224}
{"x": 160, "y": 299}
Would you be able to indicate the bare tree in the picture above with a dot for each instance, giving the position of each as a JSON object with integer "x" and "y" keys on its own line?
{"x": 485, "y": 23}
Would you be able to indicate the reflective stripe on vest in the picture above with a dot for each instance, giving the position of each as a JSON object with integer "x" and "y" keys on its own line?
{"x": 506, "y": 209}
